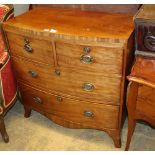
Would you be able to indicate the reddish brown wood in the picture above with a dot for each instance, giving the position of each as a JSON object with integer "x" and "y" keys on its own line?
{"x": 85, "y": 26}
{"x": 144, "y": 68}
{"x": 131, "y": 106}
{"x": 3, "y": 130}
{"x": 54, "y": 85}
{"x": 27, "y": 111}
{"x": 111, "y": 8}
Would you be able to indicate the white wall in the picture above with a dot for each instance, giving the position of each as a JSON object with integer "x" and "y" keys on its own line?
{"x": 20, "y": 9}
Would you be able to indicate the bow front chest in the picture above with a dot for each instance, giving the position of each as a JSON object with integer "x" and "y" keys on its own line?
{"x": 70, "y": 65}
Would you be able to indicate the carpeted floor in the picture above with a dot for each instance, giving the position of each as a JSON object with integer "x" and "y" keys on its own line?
{"x": 39, "y": 133}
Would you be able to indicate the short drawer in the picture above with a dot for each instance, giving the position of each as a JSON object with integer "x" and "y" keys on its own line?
{"x": 92, "y": 58}
{"x": 146, "y": 101}
{"x": 89, "y": 114}
{"x": 83, "y": 84}
{"x": 30, "y": 48}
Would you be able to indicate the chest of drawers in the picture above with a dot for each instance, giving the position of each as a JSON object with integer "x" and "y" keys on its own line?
{"x": 71, "y": 65}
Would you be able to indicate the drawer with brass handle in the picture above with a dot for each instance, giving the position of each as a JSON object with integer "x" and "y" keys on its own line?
{"x": 78, "y": 111}
{"x": 94, "y": 87}
{"x": 27, "y": 47}
{"x": 92, "y": 58}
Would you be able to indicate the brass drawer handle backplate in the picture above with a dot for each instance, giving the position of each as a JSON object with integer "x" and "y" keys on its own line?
{"x": 37, "y": 100}
{"x": 88, "y": 114}
{"x": 86, "y": 50}
{"x": 87, "y": 59}
{"x": 59, "y": 98}
{"x": 88, "y": 87}
{"x": 33, "y": 73}
{"x": 27, "y": 46}
{"x": 57, "y": 72}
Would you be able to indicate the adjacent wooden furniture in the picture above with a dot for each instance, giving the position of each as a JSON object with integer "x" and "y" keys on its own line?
{"x": 71, "y": 65}
{"x": 141, "y": 91}
{"x": 8, "y": 88}
{"x": 130, "y": 9}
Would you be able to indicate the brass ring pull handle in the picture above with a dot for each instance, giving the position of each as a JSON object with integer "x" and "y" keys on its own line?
{"x": 33, "y": 74}
{"x": 149, "y": 42}
{"x": 88, "y": 114}
{"x": 57, "y": 72}
{"x": 88, "y": 87}
{"x": 86, "y": 50}
{"x": 27, "y": 47}
{"x": 59, "y": 98}
{"x": 87, "y": 59}
{"x": 37, "y": 100}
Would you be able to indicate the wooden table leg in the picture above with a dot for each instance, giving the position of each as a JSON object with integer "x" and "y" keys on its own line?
{"x": 3, "y": 130}
{"x": 27, "y": 111}
{"x": 131, "y": 105}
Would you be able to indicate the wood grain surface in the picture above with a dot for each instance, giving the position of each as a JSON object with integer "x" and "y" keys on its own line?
{"x": 70, "y": 82}
{"x": 69, "y": 55}
{"x": 72, "y": 110}
{"x": 42, "y": 50}
{"x": 57, "y": 69}
{"x": 76, "y": 24}
{"x": 146, "y": 101}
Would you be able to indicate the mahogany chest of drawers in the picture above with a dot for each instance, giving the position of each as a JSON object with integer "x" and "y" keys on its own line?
{"x": 71, "y": 65}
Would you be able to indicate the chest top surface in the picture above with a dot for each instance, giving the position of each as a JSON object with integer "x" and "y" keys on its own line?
{"x": 58, "y": 22}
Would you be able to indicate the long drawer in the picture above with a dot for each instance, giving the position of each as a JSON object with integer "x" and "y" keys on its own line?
{"x": 92, "y": 58}
{"x": 83, "y": 84}
{"x": 89, "y": 114}
{"x": 31, "y": 48}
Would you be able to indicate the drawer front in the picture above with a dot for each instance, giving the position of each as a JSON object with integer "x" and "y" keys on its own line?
{"x": 31, "y": 48}
{"x": 146, "y": 101}
{"x": 86, "y": 113}
{"x": 83, "y": 84}
{"x": 92, "y": 58}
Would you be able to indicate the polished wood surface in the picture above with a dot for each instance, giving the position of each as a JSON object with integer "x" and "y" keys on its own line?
{"x": 146, "y": 101}
{"x": 131, "y": 106}
{"x": 72, "y": 110}
{"x": 70, "y": 81}
{"x": 102, "y": 58}
{"x": 144, "y": 68}
{"x": 90, "y": 83}
{"x": 42, "y": 53}
{"x": 76, "y": 24}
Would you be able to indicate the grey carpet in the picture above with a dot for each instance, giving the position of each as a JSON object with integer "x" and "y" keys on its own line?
{"x": 39, "y": 133}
